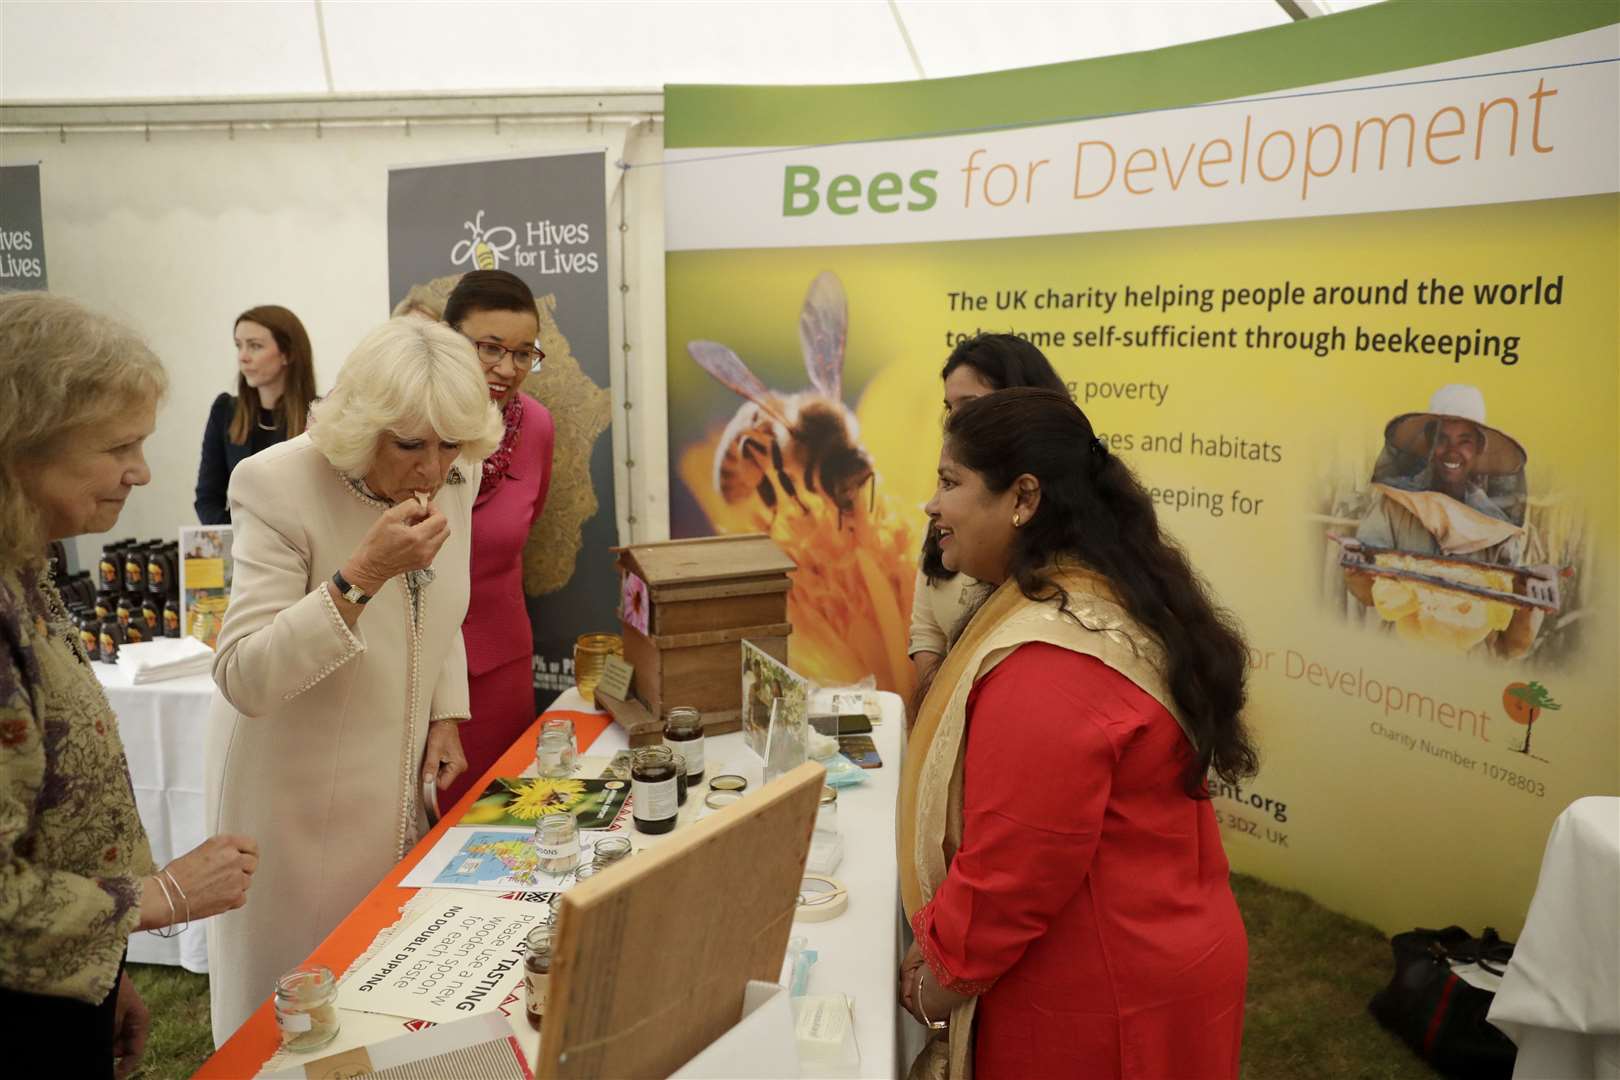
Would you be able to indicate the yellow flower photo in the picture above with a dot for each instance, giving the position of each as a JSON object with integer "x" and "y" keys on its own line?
{"x": 520, "y": 802}
{"x": 542, "y": 796}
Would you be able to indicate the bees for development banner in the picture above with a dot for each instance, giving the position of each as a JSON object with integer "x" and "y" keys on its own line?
{"x": 543, "y": 219}
{"x": 1342, "y": 293}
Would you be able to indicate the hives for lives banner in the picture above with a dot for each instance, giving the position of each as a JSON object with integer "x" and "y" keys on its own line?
{"x": 543, "y": 219}
{"x": 22, "y": 229}
{"x": 1342, "y": 293}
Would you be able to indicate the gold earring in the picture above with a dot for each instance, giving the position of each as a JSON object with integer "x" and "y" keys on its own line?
{"x": 1017, "y": 521}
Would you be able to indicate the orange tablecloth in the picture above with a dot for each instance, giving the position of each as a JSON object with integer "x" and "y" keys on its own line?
{"x": 245, "y": 1053}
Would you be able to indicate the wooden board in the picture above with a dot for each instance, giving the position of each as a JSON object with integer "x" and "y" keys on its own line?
{"x": 652, "y": 956}
{"x": 645, "y": 729}
{"x": 707, "y": 558}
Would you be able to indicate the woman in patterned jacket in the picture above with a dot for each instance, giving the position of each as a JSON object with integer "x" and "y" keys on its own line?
{"x": 78, "y": 397}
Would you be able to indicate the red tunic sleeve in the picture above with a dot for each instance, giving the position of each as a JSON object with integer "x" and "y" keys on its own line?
{"x": 1045, "y": 731}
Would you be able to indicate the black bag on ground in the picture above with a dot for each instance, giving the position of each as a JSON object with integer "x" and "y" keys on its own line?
{"x": 1439, "y": 1015}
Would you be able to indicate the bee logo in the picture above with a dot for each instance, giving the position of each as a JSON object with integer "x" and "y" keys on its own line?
{"x": 790, "y": 448}
{"x": 485, "y": 248}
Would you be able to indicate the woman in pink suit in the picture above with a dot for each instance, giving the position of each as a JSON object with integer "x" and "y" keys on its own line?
{"x": 495, "y": 311}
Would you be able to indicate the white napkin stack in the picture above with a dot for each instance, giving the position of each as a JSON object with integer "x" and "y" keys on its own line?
{"x": 164, "y": 658}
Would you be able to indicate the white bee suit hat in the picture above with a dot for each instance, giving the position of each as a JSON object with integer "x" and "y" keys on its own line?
{"x": 1413, "y": 432}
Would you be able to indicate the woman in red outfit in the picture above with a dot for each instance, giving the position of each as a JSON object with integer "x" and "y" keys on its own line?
{"x": 1059, "y": 859}
{"x": 495, "y": 310}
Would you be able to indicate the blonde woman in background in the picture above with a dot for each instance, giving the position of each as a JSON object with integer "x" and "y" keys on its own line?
{"x": 341, "y": 670}
{"x": 78, "y": 399}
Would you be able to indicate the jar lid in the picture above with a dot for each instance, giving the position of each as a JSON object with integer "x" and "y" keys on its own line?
{"x": 718, "y": 800}
{"x": 728, "y": 782}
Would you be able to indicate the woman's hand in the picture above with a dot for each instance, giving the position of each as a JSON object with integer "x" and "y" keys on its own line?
{"x": 908, "y": 978}
{"x": 920, "y": 993}
{"x": 213, "y": 877}
{"x": 442, "y": 759}
{"x": 406, "y": 537}
{"x": 132, "y": 1021}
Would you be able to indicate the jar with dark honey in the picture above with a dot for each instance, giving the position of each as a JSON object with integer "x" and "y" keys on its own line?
{"x": 152, "y": 612}
{"x": 127, "y": 606}
{"x": 536, "y": 973}
{"x": 138, "y": 629}
{"x": 683, "y": 734}
{"x": 171, "y": 617}
{"x": 653, "y": 797}
{"x": 680, "y": 780}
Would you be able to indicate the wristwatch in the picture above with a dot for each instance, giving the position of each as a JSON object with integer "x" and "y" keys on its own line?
{"x": 352, "y": 593}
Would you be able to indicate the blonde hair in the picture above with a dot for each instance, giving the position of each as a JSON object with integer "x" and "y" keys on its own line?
{"x": 404, "y": 374}
{"x": 63, "y": 368}
{"x": 425, "y": 301}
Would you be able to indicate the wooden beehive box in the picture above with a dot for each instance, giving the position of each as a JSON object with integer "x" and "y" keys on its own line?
{"x": 705, "y": 597}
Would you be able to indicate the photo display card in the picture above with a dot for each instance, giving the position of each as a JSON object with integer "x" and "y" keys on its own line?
{"x": 775, "y": 710}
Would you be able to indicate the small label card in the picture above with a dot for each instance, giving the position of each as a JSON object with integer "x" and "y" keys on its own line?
{"x": 616, "y": 676}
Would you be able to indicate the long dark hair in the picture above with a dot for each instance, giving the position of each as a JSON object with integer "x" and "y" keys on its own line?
{"x": 1002, "y": 361}
{"x": 298, "y": 391}
{"x": 487, "y": 290}
{"x": 1092, "y": 508}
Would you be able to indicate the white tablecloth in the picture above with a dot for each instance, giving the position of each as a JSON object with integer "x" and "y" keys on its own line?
{"x": 859, "y": 951}
{"x": 1560, "y": 997}
{"x": 162, "y": 725}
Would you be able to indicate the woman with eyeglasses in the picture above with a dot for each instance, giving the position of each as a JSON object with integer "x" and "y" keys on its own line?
{"x": 495, "y": 310}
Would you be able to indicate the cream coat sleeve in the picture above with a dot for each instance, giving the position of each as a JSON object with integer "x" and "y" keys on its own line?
{"x": 281, "y": 635}
{"x": 451, "y": 700}
{"x": 926, "y": 633}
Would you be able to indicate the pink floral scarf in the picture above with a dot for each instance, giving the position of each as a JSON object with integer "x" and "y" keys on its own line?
{"x": 496, "y": 465}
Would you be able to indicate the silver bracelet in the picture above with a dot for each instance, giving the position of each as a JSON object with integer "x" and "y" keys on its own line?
{"x": 176, "y": 883}
{"x": 173, "y": 915}
{"x": 933, "y": 1025}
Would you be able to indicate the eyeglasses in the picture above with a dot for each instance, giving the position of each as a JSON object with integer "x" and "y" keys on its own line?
{"x": 528, "y": 357}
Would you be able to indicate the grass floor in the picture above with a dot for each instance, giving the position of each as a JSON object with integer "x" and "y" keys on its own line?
{"x": 1311, "y": 973}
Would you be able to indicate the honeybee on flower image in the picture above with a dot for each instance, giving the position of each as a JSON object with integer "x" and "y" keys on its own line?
{"x": 791, "y": 464}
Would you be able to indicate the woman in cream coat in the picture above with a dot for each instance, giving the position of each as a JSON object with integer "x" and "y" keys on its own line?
{"x": 340, "y": 666}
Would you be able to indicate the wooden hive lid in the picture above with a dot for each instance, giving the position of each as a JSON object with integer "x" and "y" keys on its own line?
{"x": 707, "y": 559}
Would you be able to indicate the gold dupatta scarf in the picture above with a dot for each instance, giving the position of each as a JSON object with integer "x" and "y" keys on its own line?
{"x": 929, "y": 826}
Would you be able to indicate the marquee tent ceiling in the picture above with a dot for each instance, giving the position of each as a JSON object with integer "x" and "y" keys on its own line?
{"x": 76, "y": 51}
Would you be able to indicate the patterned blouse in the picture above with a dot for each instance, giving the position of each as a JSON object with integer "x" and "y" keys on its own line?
{"x": 72, "y": 850}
